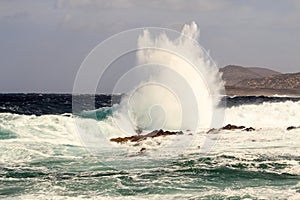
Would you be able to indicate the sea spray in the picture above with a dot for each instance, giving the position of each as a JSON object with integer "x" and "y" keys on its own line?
{"x": 173, "y": 86}
{"x": 183, "y": 87}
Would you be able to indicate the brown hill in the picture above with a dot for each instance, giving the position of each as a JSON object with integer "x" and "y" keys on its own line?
{"x": 278, "y": 82}
{"x": 259, "y": 81}
{"x": 233, "y": 74}
{"x": 264, "y": 72}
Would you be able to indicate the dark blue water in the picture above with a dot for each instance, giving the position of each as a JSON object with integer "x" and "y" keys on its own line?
{"x": 42, "y": 104}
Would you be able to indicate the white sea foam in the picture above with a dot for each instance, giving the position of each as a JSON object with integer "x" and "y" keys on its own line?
{"x": 36, "y": 137}
{"x": 212, "y": 193}
{"x": 272, "y": 115}
{"x": 32, "y": 132}
{"x": 55, "y": 136}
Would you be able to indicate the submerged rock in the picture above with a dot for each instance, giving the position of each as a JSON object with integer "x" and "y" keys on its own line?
{"x": 153, "y": 134}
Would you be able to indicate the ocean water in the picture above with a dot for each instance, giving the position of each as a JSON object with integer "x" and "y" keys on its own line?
{"x": 44, "y": 156}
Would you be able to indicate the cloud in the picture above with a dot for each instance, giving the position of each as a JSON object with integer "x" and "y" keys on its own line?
{"x": 253, "y": 33}
{"x": 118, "y": 15}
{"x": 72, "y": 4}
{"x": 9, "y": 9}
{"x": 28, "y": 11}
{"x": 203, "y": 5}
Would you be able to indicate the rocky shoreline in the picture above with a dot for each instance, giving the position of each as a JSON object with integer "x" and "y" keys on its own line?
{"x": 139, "y": 137}
{"x": 162, "y": 133}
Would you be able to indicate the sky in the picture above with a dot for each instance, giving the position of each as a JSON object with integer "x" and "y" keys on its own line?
{"x": 43, "y": 43}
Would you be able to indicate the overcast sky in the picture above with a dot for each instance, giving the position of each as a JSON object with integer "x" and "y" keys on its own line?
{"x": 42, "y": 43}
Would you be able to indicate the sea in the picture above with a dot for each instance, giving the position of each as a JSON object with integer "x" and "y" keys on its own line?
{"x": 44, "y": 155}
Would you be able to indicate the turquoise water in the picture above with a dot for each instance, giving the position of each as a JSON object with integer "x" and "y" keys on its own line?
{"x": 57, "y": 166}
{"x": 204, "y": 178}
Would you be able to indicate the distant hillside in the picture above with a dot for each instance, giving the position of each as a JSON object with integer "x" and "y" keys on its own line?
{"x": 278, "y": 82}
{"x": 259, "y": 81}
{"x": 264, "y": 72}
{"x": 233, "y": 74}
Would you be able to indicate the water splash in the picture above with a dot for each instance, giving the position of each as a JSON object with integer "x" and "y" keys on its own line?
{"x": 183, "y": 85}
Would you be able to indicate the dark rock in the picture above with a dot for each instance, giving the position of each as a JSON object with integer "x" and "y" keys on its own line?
{"x": 143, "y": 150}
{"x": 249, "y": 129}
{"x": 153, "y": 134}
{"x": 134, "y": 138}
{"x": 292, "y": 127}
{"x": 232, "y": 127}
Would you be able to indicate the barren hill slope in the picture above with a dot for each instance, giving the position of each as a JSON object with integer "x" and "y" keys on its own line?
{"x": 259, "y": 81}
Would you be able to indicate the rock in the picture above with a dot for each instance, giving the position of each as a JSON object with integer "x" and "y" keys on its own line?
{"x": 134, "y": 138}
{"x": 142, "y": 150}
{"x": 292, "y": 127}
{"x": 137, "y": 138}
{"x": 249, "y": 129}
{"x": 232, "y": 127}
